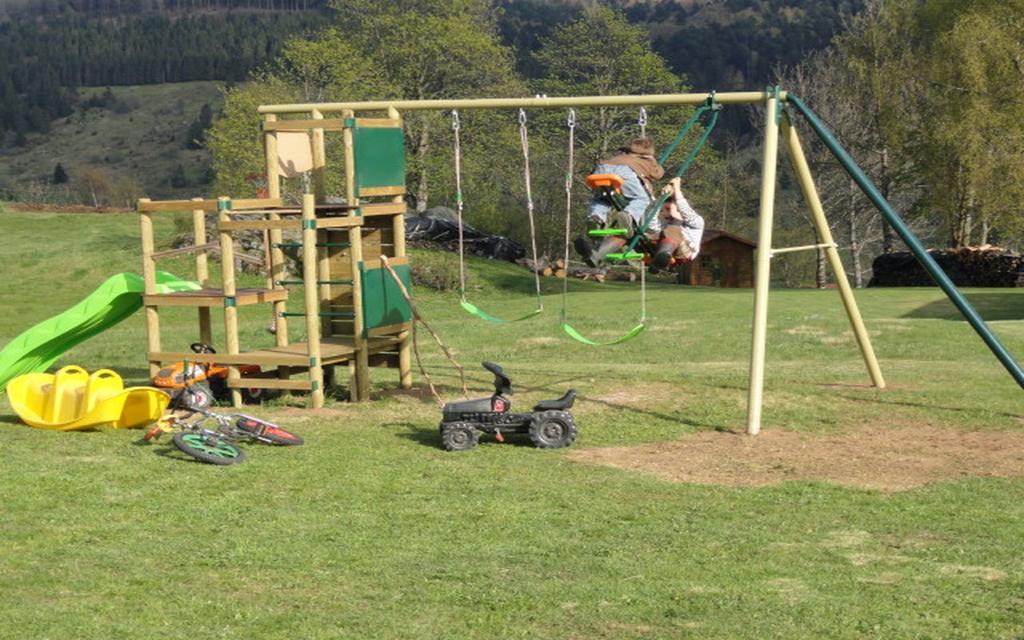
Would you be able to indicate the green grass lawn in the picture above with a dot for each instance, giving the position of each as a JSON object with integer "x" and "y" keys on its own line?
{"x": 370, "y": 530}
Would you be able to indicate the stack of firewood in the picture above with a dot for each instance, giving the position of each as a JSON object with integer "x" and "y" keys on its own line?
{"x": 546, "y": 266}
{"x": 981, "y": 266}
{"x": 558, "y": 268}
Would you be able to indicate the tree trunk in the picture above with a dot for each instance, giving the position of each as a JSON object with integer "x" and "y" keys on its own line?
{"x": 820, "y": 272}
{"x": 422, "y": 187}
{"x": 855, "y": 247}
{"x": 888, "y": 237}
{"x": 960, "y": 234}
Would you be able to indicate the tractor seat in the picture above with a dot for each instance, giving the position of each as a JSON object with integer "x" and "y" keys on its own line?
{"x": 563, "y": 403}
{"x": 603, "y": 181}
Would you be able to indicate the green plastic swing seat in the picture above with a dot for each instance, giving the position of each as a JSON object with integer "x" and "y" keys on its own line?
{"x": 578, "y": 337}
{"x": 483, "y": 315}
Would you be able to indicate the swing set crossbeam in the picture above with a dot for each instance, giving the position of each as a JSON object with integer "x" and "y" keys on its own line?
{"x": 540, "y": 102}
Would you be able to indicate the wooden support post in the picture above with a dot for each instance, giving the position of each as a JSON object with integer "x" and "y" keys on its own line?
{"x": 278, "y": 271}
{"x": 149, "y": 286}
{"x": 227, "y": 266}
{"x": 270, "y": 149}
{"x": 309, "y": 271}
{"x": 398, "y": 230}
{"x": 350, "y": 165}
{"x": 202, "y": 269}
{"x": 359, "y": 387}
{"x": 320, "y": 190}
{"x": 323, "y": 262}
{"x": 362, "y": 391}
{"x": 762, "y": 272}
{"x": 319, "y": 160}
{"x": 405, "y": 346}
{"x": 803, "y": 172}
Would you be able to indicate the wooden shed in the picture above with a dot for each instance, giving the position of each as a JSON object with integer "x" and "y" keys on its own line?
{"x": 725, "y": 260}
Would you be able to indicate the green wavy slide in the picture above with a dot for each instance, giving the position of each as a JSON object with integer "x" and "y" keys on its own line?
{"x": 117, "y": 298}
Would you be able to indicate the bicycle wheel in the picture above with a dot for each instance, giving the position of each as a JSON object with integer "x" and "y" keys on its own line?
{"x": 267, "y": 432}
{"x": 207, "y": 449}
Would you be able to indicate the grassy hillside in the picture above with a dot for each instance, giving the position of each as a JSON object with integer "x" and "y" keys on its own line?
{"x": 137, "y": 142}
{"x": 370, "y": 530}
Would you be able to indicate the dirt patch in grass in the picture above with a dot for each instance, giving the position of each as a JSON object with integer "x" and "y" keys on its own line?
{"x": 302, "y": 412}
{"x": 886, "y": 459}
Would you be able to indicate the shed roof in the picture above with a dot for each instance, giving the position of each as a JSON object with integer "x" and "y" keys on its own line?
{"x": 710, "y": 235}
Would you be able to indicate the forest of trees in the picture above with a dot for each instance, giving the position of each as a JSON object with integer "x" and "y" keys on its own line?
{"x": 926, "y": 94}
{"x": 50, "y": 47}
{"x": 14, "y": 9}
{"x": 42, "y": 60}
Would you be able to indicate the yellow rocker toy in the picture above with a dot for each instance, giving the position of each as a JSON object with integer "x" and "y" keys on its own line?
{"x": 74, "y": 399}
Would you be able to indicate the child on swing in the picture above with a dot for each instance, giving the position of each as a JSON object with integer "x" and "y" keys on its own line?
{"x": 637, "y": 170}
{"x": 682, "y": 229}
{"x": 679, "y": 238}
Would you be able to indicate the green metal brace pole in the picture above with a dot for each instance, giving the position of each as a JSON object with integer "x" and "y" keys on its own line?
{"x": 911, "y": 240}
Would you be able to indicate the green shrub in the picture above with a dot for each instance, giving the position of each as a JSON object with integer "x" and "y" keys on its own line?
{"x": 437, "y": 270}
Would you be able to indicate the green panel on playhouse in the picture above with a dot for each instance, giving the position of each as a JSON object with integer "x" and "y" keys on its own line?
{"x": 379, "y": 156}
{"x": 383, "y": 303}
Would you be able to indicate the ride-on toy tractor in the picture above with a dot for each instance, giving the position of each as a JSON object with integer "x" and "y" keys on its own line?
{"x": 550, "y": 425}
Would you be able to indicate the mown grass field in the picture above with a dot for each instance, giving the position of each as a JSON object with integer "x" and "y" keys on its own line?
{"x": 370, "y": 530}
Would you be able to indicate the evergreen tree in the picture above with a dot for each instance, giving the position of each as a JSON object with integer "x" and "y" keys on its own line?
{"x": 178, "y": 179}
{"x": 196, "y": 136}
{"x": 60, "y": 176}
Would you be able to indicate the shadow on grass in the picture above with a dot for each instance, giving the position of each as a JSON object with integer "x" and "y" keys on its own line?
{"x": 431, "y": 438}
{"x": 416, "y": 433}
{"x": 921, "y": 405}
{"x": 991, "y": 307}
{"x": 10, "y": 419}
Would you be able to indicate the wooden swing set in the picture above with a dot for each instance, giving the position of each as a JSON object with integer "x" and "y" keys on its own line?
{"x": 379, "y": 158}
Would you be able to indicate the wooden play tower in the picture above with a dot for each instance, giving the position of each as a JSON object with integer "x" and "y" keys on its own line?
{"x": 353, "y": 311}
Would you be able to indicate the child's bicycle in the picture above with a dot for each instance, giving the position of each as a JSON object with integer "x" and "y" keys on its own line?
{"x": 208, "y": 436}
{"x": 212, "y": 437}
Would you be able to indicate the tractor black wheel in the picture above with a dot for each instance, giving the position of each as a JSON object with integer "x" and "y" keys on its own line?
{"x": 459, "y": 436}
{"x": 253, "y": 395}
{"x": 552, "y": 429}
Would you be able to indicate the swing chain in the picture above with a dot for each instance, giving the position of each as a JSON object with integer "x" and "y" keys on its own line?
{"x": 525, "y": 140}
{"x": 459, "y": 205}
{"x": 569, "y": 170}
{"x": 571, "y": 123}
{"x": 642, "y": 122}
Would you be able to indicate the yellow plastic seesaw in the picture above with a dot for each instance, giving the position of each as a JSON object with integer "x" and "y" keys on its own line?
{"x": 74, "y": 399}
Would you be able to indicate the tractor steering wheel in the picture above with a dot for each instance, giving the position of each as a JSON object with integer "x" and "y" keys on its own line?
{"x": 201, "y": 347}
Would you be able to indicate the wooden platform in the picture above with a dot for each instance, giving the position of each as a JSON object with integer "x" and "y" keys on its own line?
{"x": 333, "y": 350}
{"x": 215, "y": 297}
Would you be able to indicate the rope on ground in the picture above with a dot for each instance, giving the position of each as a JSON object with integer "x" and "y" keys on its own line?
{"x": 417, "y": 317}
